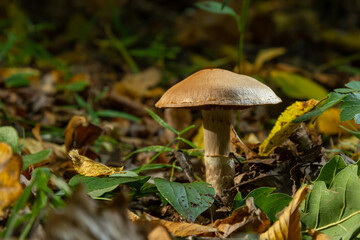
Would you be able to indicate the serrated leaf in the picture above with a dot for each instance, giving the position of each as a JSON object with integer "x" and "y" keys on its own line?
{"x": 271, "y": 204}
{"x": 297, "y": 86}
{"x": 189, "y": 199}
{"x": 216, "y": 7}
{"x": 34, "y": 158}
{"x": 335, "y": 211}
{"x": 117, "y": 114}
{"x": 10, "y": 136}
{"x": 161, "y": 122}
{"x": 350, "y": 107}
{"x": 354, "y": 85}
{"x": 97, "y": 186}
{"x": 332, "y": 99}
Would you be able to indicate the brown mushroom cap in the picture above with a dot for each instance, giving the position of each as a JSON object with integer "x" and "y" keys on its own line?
{"x": 217, "y": 87}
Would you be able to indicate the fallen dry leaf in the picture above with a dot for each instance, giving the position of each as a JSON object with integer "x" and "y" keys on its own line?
{"x": 10, "y": 168}
{"x": 178, "y": 229}
{"x": 79, "y": 133}
{"x": 87, "y": 167}
{"x": 284, "y": 127}
{"x": 243, "y": 219}
{"x": 288, "y": 226}
{"x": 315, "y": 235}
{"x": 138, "y": 85}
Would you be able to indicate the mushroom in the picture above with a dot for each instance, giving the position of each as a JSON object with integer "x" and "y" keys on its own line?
{"x": 217, "y": 92}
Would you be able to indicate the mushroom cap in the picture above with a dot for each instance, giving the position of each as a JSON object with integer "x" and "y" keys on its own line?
{"x": 215, "y": 87}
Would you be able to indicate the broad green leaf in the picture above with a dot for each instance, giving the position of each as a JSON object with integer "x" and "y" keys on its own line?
{"x": 97, "y": 186}
{"x": 298, "y": 87}
{"x": 216, "y": 7}
{"x": 332, "y": 99}
{"x": 34, "y": 158}
{"x": 10, "y": 136}
{"x": 350, "y": 107}
{"x": 335, "y": 211}
{"x": 354, "y": 85}
{"x": 156, "y": 166}
{"x": 271, "y": 204}
{"x": 189, "y": 199}
{"x": 355, "y": 133}
{"x": 155, "y": 148}
{"x": 330, "y": 169}
{"x": 117, "y": 114}
{"x": 161, "y": 122}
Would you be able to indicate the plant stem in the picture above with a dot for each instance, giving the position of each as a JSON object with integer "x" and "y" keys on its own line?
{"x": 120, "y": 46}
{"x": 241, "y": 26}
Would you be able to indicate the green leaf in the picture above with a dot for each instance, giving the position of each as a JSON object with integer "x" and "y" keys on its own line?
{"x": 298, "y": 87}
{"x": 155, "y": 148}
{"x": 335, "y": 211}
{"x": 117, "y": 114}
{"x": 97, "y": 186}
{"x": 350, "y": 107}
{"x": 188, "y": 143}
{"x": 161, "y": 122}
{"x": 354, "y": 85}
{"x": 186, "y": 129}
{"x": 74, "y": 87}
{"x": 156, "y": 166}
{"x": 10, "y": 136}
{"x": 18, "y": 80}
{"x": 34, "y": 158}
{"x": 189, "y": 199}
{"x": 216, "y": 7}
{"x": 355, "y": 133}
{"x": 332, "y": 99}
{"x": 330, "y": 169}
{"x": 271, "y": 204}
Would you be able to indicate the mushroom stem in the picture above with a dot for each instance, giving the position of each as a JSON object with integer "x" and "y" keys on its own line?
{"x": 219, "y": 166}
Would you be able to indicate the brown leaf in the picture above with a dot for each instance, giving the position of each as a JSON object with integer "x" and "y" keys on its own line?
{"x": 178, "y": 229}
{"x": 315, "y": 235}
{"x": 138, "y": 85}
{"x": 87, "y": 167}
{"x": 288, "y": 226}
{"x": 243, "y": 219}
{"x": 79, "y": 133}
{"x": 10, "y": 168}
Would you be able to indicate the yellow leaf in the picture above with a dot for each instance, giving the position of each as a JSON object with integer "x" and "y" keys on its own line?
{"x": 284, "y": 127}
{"x": 87, "y": 167}
{"x": 288, "y": 226}
{"x": 10, "y": 168}
{"x": 178, "y": 229}
{"x": 329, "y": 122}
{"x": 267, "y": 55}
{"x": 198, "y": 140}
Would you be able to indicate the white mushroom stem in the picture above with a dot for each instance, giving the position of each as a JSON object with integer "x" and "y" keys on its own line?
{"x": 220, "y": 169}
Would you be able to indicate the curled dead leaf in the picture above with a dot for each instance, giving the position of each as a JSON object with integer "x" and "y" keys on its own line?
{"x": 79, "y": 133}
{"x": 284, "y": 127}
{"x": 288, "y": 226}
{"x": 178, "y": 229}
{"x": 243, "y": 219}
{"x": 87, "y": 167}
{"x": 10, "y": 168}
